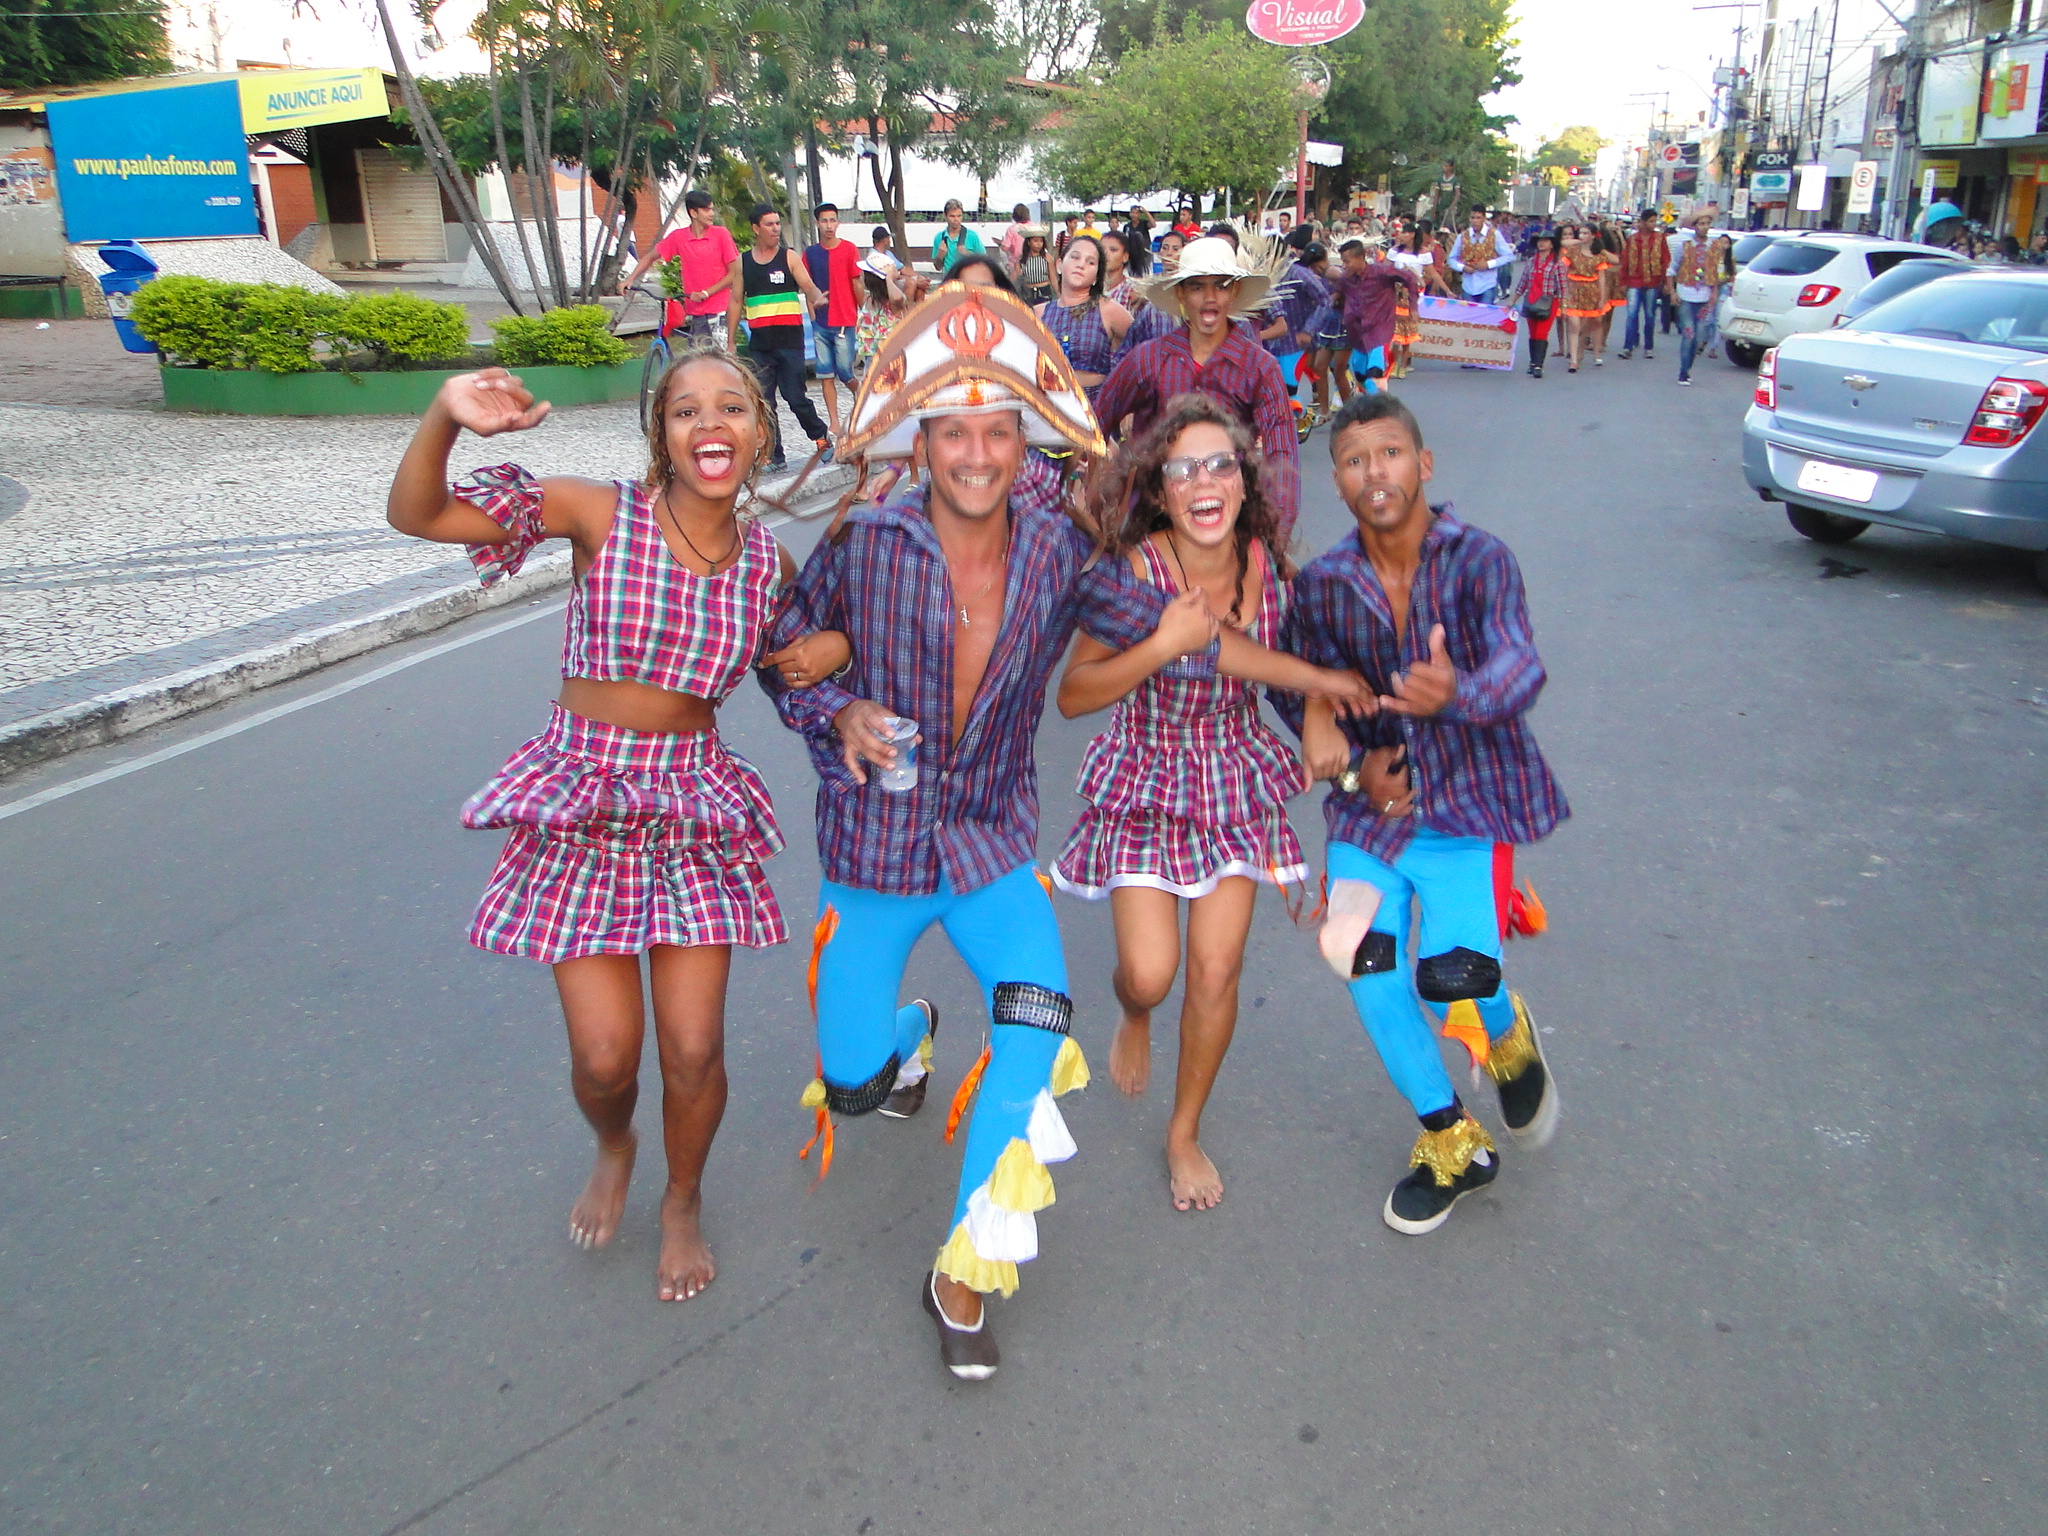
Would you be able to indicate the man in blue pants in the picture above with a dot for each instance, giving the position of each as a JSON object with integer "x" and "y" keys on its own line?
{"x": 959, "y": 596}
{"x": 1445, "y": 781}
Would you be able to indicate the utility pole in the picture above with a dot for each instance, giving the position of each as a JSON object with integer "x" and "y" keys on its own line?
{"x": 1898, "y": 195}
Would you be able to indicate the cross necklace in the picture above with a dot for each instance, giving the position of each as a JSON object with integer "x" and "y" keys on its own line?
{"x": 999, "y": 570}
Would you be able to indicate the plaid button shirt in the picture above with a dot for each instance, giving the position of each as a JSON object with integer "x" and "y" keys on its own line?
{"x": 1240, "y": 373}
{"x": 973, "y": 815}
{"x": 1475, "y": 766}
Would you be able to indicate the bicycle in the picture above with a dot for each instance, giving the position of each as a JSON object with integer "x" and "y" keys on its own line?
{"x": 659, "y": 356}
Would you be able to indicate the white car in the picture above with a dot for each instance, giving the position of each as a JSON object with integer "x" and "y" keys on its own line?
{"x": 1801, "y": 282}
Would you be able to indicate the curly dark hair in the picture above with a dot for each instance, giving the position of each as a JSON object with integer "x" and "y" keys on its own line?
{"x": 660, "y": 468}
{"x": 1130, "y": 500}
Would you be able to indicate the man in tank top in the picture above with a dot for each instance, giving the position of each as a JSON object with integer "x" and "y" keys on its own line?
{"x": 770, "y": 292}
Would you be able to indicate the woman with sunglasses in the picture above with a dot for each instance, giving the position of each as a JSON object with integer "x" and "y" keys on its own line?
{"x": 1187, "y": 787}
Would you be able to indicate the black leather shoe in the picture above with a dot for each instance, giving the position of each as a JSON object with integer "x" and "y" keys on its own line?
{"x": 902, "y": 1103}
{"x": 969, "y": 1353}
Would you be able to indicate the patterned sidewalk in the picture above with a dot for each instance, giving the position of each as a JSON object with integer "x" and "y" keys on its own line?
{"x": 136, "y": 545}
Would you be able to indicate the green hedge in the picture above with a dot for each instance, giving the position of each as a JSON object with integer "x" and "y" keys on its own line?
{"x": 203, "y": 322}
{"x": 578, "y": 337}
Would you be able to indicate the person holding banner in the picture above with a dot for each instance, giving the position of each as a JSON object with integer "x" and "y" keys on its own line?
{"x": 1477, "y": 255}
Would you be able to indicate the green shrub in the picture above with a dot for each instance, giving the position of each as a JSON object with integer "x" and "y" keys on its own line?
{"x": 404, "y": 327}
{"x": 189, "y": 319}
{"x": 272, "y": 326}
{"x": 575, "y": 338}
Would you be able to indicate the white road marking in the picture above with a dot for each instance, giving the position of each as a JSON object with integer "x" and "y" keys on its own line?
{"x": 264, "y": 717}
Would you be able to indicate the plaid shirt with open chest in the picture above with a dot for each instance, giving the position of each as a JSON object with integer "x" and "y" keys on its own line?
{"x": 1475, "y": 766}
{"x": 973, "y": 815}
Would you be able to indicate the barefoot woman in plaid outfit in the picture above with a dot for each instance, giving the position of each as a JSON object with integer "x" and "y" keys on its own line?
{"x": 1187, "y": 787}
{"x": 633, "y": 830}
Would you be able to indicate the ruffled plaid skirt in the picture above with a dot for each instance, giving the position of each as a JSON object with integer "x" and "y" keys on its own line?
{"x": 1181, "y": 806}
{"x": 621, "y": 840}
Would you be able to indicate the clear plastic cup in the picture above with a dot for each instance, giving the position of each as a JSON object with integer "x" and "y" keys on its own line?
{"x": 902, "y": 734}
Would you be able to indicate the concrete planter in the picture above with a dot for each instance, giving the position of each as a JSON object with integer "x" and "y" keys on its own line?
{"x": 235, "y": 392}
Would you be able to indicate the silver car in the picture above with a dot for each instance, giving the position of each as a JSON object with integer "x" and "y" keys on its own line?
{"x": 1920, "y": 414}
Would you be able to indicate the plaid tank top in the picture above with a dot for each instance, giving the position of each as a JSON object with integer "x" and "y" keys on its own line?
{"x": 638, "y": 614}
{"x": 641, "y": 615}
{"x": 1168, "y": 703}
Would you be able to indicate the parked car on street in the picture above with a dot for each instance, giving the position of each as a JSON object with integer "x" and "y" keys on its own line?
{"x": 1903, "y": 278}
{"x": 1801, "y": 282}
{"x": 1920, "y": 414}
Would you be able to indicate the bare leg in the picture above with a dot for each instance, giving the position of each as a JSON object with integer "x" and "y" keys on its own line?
{"x": 1147, "y": 955}
{"x": 689, "y": 1035}
{"x": 831, "y": 384}
{"x": 1217, "y": 926}
{"x": 959, "y": 1302}
{"x": 602, "y": 1006}
{"x": 1322, "y": 367}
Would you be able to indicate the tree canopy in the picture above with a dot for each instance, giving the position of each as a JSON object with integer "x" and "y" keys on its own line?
{"x": 1575, "y": 147}
{"x": 1409, "y": 92}
{"x": 1209, "y": 108}
{"x": 80, "y": 42}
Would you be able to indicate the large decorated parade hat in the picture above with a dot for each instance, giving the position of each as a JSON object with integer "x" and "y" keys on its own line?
{"x": 968, "y": 351}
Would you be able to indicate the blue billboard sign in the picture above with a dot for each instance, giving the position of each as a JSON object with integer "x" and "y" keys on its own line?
{"x": 153, "y": 165}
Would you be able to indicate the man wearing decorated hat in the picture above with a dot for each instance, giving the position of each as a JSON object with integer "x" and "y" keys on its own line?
{"x": 959, "y": 595}
{"x": 1211, "y": 288}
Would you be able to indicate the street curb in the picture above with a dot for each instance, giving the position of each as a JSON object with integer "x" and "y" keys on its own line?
{"x": 110, "y": 716}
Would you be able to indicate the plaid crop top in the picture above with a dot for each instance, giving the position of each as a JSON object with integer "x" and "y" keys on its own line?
{"x": 638, "y": 614}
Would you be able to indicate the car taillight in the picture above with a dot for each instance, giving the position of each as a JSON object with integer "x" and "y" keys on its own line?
{"x": 1813, "y": 295}
{"x": 1767, "y": 381}
{"x": 2007, "y": 412}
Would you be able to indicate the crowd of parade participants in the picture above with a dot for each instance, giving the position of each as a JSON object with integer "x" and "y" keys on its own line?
{"x": 1080, "y": 470}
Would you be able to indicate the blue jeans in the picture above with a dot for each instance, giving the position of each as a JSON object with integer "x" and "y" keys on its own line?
{"x": 1451, "y": 879}
{"x": 832, "y": 352}
{"x": 1642, "y": 302}
{"x": 1694, "y": 316}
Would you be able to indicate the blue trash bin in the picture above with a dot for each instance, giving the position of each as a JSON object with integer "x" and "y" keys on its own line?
{"x": 132, "y": 268}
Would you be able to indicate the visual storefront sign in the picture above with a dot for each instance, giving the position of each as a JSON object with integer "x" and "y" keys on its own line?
{"x": 153, "y": 165}
{"x": 1771, "y": 186}
{"x": 1455, "y": 331}
{"x": 1944, "y": 172}
{"x": 2011, "y": 101}
{"x": 274, "y": 99}
{"x": 1303, "y": 23}
{"x": 1950, "y": 91}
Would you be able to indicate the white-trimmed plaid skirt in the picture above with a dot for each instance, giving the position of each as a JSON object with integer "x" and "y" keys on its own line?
{"x": 621, "y": 840}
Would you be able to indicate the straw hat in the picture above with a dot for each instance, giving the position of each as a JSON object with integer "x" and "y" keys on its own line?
{"x": 969, "y": 351}
{"x": 1256, "y": 266}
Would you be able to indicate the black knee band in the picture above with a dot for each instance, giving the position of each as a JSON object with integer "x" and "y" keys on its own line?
{"x": 1457, "y": 975}
{"x": 1375, "y": 955}
{"x": 868, "y": 1095}
{"x": 1026, "y": 1002}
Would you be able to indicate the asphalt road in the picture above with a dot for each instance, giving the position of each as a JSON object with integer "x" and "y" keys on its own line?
{"x": 284, "y": 1167}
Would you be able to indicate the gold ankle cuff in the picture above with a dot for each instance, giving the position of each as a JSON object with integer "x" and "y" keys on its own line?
{"x": 1512, "y": 1054}
{"x": 1448, "y": 1153}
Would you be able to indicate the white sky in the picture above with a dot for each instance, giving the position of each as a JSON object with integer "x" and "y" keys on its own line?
{"x": 1582, "y": 61}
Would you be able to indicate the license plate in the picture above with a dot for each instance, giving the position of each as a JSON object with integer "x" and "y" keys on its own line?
{"x": 1838, "y": 480}
{"x": 1746, "y": 327}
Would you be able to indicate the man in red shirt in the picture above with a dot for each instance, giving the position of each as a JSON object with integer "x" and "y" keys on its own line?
{"x": 707, "y": 252}
{"x": 1645, "y": 258}
{"x": 834, "y": 266}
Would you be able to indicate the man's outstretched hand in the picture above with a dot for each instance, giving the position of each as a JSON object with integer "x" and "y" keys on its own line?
{"x": 1428, "y": 686}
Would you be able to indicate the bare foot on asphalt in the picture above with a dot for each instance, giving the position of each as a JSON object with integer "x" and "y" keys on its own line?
{"x": 1130, "y": 1056}
{"x": 595, "y": 1215}
{"x": 1193, "y": 1179}
{"x": 685, "y": 1267}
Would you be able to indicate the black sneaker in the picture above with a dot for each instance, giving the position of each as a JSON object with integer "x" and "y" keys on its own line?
{"x": 1446, "y": 1166}
{"x": 1528, "y": 1094}
{"x": 906, "y": 1101}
